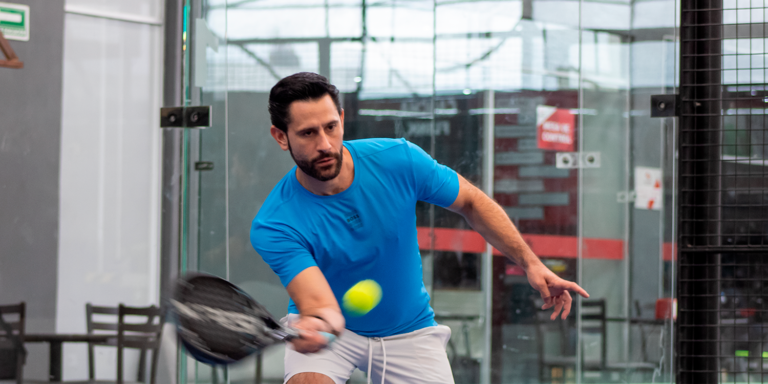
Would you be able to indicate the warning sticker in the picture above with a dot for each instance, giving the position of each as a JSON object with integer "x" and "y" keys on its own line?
{"x": 555, "y": 128}
{"x": 649, "y": 189}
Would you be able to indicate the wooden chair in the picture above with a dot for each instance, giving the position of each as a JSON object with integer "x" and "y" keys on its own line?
{"x": 145, "y": 336}
{"x": 12, "y": 352}
{"x": 135, "y": 327}
{"x": 95, "y": 324}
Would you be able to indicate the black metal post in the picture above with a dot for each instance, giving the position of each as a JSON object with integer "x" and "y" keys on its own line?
{"x": 699, "y": 193}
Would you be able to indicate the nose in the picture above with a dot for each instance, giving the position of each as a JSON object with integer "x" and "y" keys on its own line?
{"x": 324, "y": 143}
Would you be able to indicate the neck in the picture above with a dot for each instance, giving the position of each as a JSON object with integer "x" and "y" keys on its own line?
{"x": 336, "y": 185}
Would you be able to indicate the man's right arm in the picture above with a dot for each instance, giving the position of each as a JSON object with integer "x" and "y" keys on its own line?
{"x": 318, "y": 310}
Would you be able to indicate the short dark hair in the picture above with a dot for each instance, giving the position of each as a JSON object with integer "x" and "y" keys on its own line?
{"x": 302, "y": 86}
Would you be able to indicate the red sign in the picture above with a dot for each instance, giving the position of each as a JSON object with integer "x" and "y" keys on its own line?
{"x": 554, "y": 128}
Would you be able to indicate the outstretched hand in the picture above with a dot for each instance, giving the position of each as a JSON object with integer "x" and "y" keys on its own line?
{"x": 553, "y": 289}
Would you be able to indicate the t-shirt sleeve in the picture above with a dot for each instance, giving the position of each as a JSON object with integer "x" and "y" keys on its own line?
{"x": 282, "y": 250}
{"x": 435, "y": 183}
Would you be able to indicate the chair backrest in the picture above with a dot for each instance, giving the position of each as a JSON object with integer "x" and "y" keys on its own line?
{"x": 95, "y": 320}
{"x": 12, "y": 352}
{"x": 141, "y": 328}
{"x": 100, "y": 320}
{"x": 593, "y": 321}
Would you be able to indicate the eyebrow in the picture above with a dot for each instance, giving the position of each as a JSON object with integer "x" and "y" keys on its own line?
{"x": 335, "y": 121}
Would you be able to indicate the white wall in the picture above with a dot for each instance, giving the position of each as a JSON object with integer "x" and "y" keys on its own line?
{"x": 110, "y": 167}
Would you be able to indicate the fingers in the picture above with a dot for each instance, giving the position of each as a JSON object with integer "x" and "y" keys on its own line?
{"x": 310, "y": 338}
{"x": 563, "y": 286}
{"x": 558, "y": 307}
{"x": 576, "y": 288}
{"x": 568, "y": 303}
{"x": 548, "y": 300}
{"x": 562, "y": 305}
{"x": 309, "y": 342}
{"x": 554, "y": 291}
{"x": 556, "y": 288}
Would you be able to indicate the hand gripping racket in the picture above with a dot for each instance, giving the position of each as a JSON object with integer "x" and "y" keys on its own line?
{"x": 220, "y": 324}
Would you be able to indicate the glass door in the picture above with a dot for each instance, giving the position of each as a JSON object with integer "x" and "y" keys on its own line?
{"x": 544, "y": 104}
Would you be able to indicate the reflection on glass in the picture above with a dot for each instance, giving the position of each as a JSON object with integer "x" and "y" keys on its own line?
{"x": 501, "y": 91}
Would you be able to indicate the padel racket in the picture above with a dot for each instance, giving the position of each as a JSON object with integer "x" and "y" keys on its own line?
{"x": 219, "y": 323}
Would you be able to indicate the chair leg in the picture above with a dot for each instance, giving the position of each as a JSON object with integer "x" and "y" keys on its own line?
{"x": 153, "y": 367}
{"x": 142, "y": 373}
{"x": 91, "y": 365}
{"x": 20, "y": 368}
{"x": 119, "y": 364}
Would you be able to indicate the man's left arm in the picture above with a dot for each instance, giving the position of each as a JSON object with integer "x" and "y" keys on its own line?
{"x": 489, "y": 219}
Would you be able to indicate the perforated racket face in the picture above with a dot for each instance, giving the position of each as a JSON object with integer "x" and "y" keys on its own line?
{"x": 219, "y": 323}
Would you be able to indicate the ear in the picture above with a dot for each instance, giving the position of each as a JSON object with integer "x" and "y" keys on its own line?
{"x": 279, "y": 136}
{"x": 341, "y": 123}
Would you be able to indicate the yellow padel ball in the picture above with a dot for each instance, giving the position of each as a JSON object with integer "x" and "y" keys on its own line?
{"x": 361, "y": 298}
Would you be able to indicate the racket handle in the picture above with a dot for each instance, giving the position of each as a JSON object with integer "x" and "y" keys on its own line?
{"x": 330, "y": 336}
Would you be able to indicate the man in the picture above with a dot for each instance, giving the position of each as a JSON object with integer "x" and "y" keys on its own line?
{"x": 346, "y": 213}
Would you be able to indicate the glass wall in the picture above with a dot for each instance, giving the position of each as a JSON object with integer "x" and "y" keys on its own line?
{"x": 543, "y": 104}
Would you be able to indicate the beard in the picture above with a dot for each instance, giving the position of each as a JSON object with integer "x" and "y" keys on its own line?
{"x": 311, "y": 168}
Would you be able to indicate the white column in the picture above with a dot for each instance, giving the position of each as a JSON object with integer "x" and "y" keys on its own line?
{"x": 487, "y": 275}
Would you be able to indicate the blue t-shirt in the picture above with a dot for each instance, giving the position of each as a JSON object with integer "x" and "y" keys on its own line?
{"x": 368, "y": 231}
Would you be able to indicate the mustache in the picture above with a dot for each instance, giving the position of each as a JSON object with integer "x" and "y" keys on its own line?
{"x": 326, "y": 156}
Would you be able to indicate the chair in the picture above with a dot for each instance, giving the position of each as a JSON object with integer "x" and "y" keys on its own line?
{"x": 12, "y": 352}
{"x": 135, "y": 327}
{"x": 95, "y": 313}
{"x": 594, "y": 321}
{"x": 93, "y": 326}
{"x": 145, "y": 336}
{"x": 559, "y": 360}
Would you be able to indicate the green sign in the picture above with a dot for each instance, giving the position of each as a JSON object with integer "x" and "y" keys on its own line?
{"x": 14, "y": 21}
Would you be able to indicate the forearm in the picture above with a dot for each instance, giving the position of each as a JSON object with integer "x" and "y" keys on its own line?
{"x": 313, "y": 298}
{"x": 488, "y": 218}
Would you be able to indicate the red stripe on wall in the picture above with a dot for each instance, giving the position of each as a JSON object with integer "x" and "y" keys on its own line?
{"x": 670, "y": 251}
{"x": 469, "y": 241}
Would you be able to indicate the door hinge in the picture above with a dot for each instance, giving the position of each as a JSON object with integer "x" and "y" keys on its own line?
{"x": 204, "y": 166}
{"x": 665, "y": 105}
{"x": 186, "y": 117}
{"x": 573, "y": 160}
{"x": 626, "y": 196}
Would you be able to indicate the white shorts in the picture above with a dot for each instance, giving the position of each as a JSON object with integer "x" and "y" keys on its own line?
{"x": 414, "y": 357}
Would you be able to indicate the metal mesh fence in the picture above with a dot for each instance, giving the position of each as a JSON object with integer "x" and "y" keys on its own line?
{"x": 723, "y": 192}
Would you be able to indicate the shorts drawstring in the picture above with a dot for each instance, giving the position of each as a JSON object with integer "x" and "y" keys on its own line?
{"x": 370, "y": 359}
{"x": 384, "y": 370}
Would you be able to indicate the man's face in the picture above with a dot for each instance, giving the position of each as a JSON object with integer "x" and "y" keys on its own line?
{"x": 315, "y": 134}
